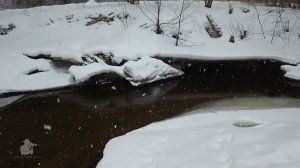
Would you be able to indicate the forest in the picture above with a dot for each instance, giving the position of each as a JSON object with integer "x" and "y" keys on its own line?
{"x": 4, "y": 4}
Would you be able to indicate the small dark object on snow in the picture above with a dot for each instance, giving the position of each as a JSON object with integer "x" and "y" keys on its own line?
{"x": 69, "y": 17}
{"x": 245, "y": 10}
{"x": 175, "y": 36}
{"x": 51, "y": 20}
{"x": 231, "y": 40}
{"x": 100, "y": 18}
{"x": 125, "y": 16}
{"x": 34, "y": 71}
{"x": 286, "y": 26}
{"x": 143, "y": 25}
{"x": 5, "y": 30}
{"x": 244, "y": 34}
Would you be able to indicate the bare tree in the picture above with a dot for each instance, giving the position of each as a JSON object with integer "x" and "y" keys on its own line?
{"x": 230, "y": 7}
{"x": 124, "y": 15}
{"x": 241, "y": 29}
{"x": 278, "y": 3}
{"x": 179, "y": 23}
{"x": 258, "y": 17}
{"x": 279, "y": 14}
{"x": 153, "y": 16}
{"x": 158, "y": 27}
{"x": 285, "y": 24}
{"x": 181, "y": 17}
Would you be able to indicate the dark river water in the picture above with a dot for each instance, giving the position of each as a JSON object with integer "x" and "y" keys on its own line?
{"x": 71, "y": 126}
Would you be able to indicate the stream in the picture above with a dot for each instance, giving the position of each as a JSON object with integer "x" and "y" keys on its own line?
{"x": 71, "y": 126}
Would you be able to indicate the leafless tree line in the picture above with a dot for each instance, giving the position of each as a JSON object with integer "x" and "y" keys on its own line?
{"x": 33, "y": 3}
{"x": 208, "y": 3}
{"x": 277, "y": 3}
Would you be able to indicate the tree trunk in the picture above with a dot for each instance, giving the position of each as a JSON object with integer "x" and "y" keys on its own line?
{"x": 158, "y": 28}
{"x": 208, "y": 3}
{"x": 131, "y": 1}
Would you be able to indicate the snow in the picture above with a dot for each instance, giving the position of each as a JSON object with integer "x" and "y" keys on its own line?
{"x": 63, "y": 54}
{"x": 265, "y": 138}
{"x": 292, "y": 72}
{"x": 147, "y": 70}
{"x": 8, "y": 100}
{"x": 39, "y": 81}
{"x": 47, "y": 127}
{"x": 60, "y": 32}
{"x": 83, "y": 73}
{"x": 27, "y": 147}
{"x": 91, "y": 2}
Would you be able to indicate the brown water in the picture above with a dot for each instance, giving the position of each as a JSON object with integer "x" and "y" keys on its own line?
{"x": 83, "y": 119}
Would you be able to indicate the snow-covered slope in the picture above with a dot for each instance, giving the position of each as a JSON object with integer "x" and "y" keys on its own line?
{"x": 224, "y": 139}
{"x": 61, "y": 33}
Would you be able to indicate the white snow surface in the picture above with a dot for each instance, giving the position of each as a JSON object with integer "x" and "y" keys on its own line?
{"x": 61, "y": 32}
{"x": 91, "y": 2}
{"x": 292, "y": 72}
{"x": 147, "y": 70}
{"x": 268, "y": 138}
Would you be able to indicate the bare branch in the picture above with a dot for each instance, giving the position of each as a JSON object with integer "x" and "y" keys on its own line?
{"x": 258, "y": 18}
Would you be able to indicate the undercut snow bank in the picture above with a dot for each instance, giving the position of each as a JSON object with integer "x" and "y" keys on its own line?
{"x": 83, "y": 73}
{"x": 145, "y": 70}
{"x": 292, "y": 72}
{"x": 61, "y": 54}
{"x": 220, "y": 140}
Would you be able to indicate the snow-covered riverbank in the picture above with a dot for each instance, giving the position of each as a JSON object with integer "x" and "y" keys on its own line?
{"x": 61, "y": 33}
{"x": 219, "y": 139}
